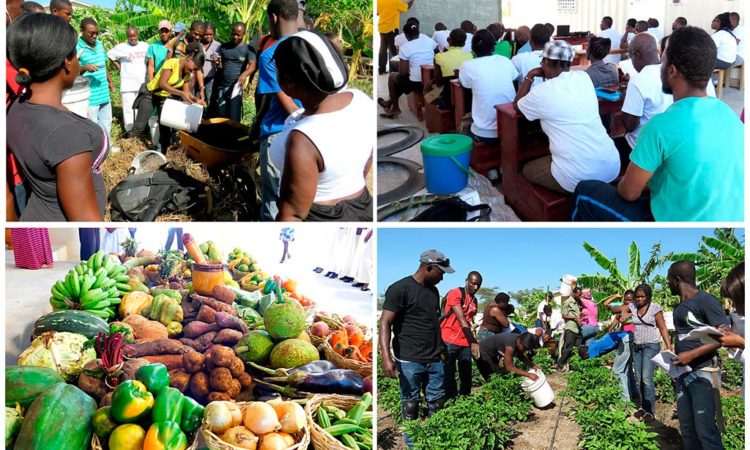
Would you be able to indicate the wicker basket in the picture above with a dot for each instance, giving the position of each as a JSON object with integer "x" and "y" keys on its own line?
{"x": 213, "y": 442}
{"x": 321, "y": 440}
{"x": 363, "y": 368}
{"x": 237, "y": 274}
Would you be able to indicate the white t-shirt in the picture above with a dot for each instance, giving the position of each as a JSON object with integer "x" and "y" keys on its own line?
{"x": 658, "y": 34}
{"x": 441, "y": 39}
{"x": 615, "y": 37}
{"x": 338, "y": 136}
{"x": 467, "y": 45}
{"x": 631, "y": 35}
{"x": 540, "y": 311}
{"x": 418, "y": 52}
{"x": 524, "y": 62}
{"x": 400, "y": 39}
{"x": 490, "y": 79}
{"x": 132, "y": 59}
{"x": 726, "y": 46}
{"x": 569, "y": 113}
{"x": 739, "y": 33}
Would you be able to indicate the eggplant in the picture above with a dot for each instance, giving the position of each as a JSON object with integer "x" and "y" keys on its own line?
{"x": 319, "y": 366}
{"x": 337, "y": 381}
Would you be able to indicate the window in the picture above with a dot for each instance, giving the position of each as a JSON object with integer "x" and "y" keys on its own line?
{"x": 566, "y": 6}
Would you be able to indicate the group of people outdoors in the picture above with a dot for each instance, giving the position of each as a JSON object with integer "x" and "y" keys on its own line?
{"x": 429, "y": 343}
{"x": 664, "y": 174}
{"x": 311, "y": 167}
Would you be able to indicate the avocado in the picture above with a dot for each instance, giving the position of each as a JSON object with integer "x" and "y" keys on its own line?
{"x": 293, "y": 353}
{"x": 284, "y": 320}
{"x": 255, "y": 347}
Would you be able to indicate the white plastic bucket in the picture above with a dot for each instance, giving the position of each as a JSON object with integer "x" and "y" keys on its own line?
{"x": 539, "y": 390}
{"x": 76, "y": 99}
{"x": 565, "y": 286}
{"x": 181, "y": 116}
{"x": 136, "y": 167}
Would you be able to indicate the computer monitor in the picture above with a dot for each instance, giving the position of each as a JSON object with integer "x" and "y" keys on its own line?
{"x": 563, "y": 30}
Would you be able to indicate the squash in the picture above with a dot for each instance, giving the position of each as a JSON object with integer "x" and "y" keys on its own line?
{"x": 59, "y": 419}
{"x": 23, "y": 384}
{"x": 79, "y": 322}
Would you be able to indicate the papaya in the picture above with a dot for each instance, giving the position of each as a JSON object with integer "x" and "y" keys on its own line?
{"x": 23, "y": 384}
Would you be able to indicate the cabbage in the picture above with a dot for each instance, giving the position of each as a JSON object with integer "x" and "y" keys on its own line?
{"x": 13, "y": 420}
{"x": 61, "y": 351}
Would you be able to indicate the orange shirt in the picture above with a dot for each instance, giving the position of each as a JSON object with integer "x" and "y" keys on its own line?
{"x": 389, "y": 14}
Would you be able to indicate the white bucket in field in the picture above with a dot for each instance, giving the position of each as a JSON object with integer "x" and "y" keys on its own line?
{"x": 539, "y": 390}
{"x": 181, "y": 116}
{"x": 565, "y": 286}
{"x": 76, "y": 99}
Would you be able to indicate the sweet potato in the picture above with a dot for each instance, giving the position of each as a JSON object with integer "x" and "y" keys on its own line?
{"x": 227, "y": 336}
{"x": 192, "y": 361}
{"x": 237, "y": 367}
{"x": 245, "y": 380}
{"x": 223, "y": 294}
{"x": 225, "y": 320}
{"x": 220, "y": 379}
{"x": 171, "y": 361}
{"x": 215, "y": 304}
{"x": 222, "y": 356}
{"x": 205, "y": 341}
{"x": 206, "y": 314}
{"x": 219, "y": 397}
{"x": 146, "y": 330}
{"x": 158, "y": 347}
{"x": 179, "y": 379}
{"x": 197, "y": 328}
{"x": 131, "y": 366}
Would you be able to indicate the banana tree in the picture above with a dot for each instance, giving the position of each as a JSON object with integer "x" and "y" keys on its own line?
{"x": 716, "y": 256}
{"x": 146, "y": 14}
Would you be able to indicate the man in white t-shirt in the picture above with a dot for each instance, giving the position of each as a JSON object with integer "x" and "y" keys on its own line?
{"x": 440, "y": 36}
{"x": 490, "y": 78}
{"x": 469, "y": 28}
{"x": 614, "y": 36}
{"x": 627, "y": 36}
{"x": 568, "y": 110}
{"x": 524, "y": 62}
{"x": 130, "y": 59}
{"x": 653, "y": 28}
{"x": 739, "y": 33}
{"x": 417, "y": 51}
{"x": 676, "y": 25}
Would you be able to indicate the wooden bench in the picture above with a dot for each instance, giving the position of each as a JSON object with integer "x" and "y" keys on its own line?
{"x": 523, "y": 141}
{"x": 740, "y": 82}
{"x": 461, "y": 100}
{"x": 720, "y": 74}
{"x": 437, "y": 120}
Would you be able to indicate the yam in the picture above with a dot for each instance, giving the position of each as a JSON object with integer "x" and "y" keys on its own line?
{"x": 245, "y": 380}
{"x": 158, "y": 347}
{"x": 219, "y": 397}
{"x": 227, "y": 336}
{"x": 222, "y": 356}
{"x": 204, "y": 342}
{"x": 146, "y": 330}
{"x": 131, "y": 366}
{"x": 206, "y": 314}
{"x": 179, "y": 379}
{"x": 197, "y": 328}
{"x": 237, "y": 367}
{"x": 171, "y": 361}
{"x": 192, "y": 361}
{"x": 234, "y": 388}
{"x": 199, "y": 385}
{"x": 226, "y": 320}
{"x": 215, "y": 304}
{"x": 223, "y": 294}
{"x": 221, "y": 379}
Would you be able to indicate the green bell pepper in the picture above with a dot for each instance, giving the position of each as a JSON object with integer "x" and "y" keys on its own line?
{"x": 165, "y": 436}
{"x": 269, "y": 287}
{"x": 130, "y": 402}
{"x": 192, "y": 414}
{"x": 154, "y": 376}
{"x": 168, "y": 405}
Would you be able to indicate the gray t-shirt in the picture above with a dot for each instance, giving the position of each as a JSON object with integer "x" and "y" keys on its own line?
{"x": 646, "y": 331}
{"x": 41, "y": 137}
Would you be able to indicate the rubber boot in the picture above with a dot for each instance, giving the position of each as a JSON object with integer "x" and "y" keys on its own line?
{"x": 410, "y": 410}
{"x": 435, "y": 406}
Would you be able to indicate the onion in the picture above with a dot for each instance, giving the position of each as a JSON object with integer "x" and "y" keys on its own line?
{"x": 290, "y": 441}
{"x": 241, "y": 437}
{"x": 218, "y": 417}
{"x": 236, "y": 413}
{"x": 274, "y": 441}
{"x": 260, "y": 418}
{"x": 291, "y": 415}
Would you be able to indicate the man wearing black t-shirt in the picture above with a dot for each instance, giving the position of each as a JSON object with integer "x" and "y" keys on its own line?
{"x": 697, "y": 391}
{"x": 412, "y": 311}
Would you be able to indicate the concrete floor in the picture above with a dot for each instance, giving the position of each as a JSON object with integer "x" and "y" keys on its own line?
{"x": 27, "y": 292}
{"x": 391, "y": 178}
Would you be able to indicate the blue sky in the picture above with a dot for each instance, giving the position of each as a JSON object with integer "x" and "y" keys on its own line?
{"x": 102, "y": 3}
{"x": 514, "y": 259}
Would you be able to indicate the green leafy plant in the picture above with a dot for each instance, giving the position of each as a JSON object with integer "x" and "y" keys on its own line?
{"x": 664, "y": 387}
{"x": 716, "y": 256}
{"x": 733, "y": 408}
{"x": 732, "y": 373}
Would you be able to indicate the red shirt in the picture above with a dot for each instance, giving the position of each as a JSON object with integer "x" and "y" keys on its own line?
{"x": 451, "y": 328}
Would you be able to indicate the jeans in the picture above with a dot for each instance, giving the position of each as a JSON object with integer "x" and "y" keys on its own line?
{"x": 412, "y": 376}
{"x": 597, "y": 201}
{"x": 171, "y": 233}
{"x": 588, "y": 333}
{"x": 90, "y": 241}
{"x": 386, "y": 43}
{"x": 461, "y": 357}
{"x": 227, "y": 105}
{"x": 270, "y": 178}
{"x": 623, "y": 366}
{"x": 645, "y": 391}
{"x": 697, "y": 412}
{"x": 484, "y": 334}
{"x": 128, "y": 114}
{"x": 571, "y": 340}
{"x": 146, "y": 106}
{"x": 102, "y": 114}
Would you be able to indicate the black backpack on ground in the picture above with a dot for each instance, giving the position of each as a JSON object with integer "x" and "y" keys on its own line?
{"x": 142, "y": 197}
{"x": 453, "y": 210}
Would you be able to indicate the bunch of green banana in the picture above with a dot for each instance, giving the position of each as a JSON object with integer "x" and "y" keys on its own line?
{"x": 95, "y": 285}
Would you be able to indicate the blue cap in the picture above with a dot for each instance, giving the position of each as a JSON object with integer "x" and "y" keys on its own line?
{"x": 179, "y": 27}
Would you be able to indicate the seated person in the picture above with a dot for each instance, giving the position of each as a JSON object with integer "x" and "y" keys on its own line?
{"x": 503, "y": 347}
{"x": 440, "y": 36}
{"x": 448, "y": 62}
{"x": 490, "y": 78}
{"x": 568, "y": 109}
{"x": 726, "y": 42}
{"x": 502, "y": 46}
{"x": 469, "y": 28}
{"x": 523, "y": 38}
{"x": 601, "y": 73}
{"x": 688, "y": 162}
{"x": 628, "y": 35}
{"x": 524, "y": 62}
{"x": 418, "y": 50}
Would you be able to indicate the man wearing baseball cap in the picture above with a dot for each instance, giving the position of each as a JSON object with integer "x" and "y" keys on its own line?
{"x": 568, "y": 110}
{"x": 157, "y": 52}
{"x": 412, "y": 311}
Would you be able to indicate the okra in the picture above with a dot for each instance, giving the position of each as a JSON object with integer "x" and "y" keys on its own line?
{"x": 344, "y": 428}
{"x": 343, "y": 421}
{"x": 366, "y": 423}
{"x": 364, "y": 445}
{"x": 356, "y": 413}
{"x": 363, "y": 437}
{"x": 336, "y": 412}
{"x": 323, "y": 419}
{"x": 349, "y": 441}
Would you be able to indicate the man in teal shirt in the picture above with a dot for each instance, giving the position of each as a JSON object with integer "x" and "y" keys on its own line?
{"x": 687, "y": 164}
{"x": 92, "y": 59}
{"x": 157, "y": 52}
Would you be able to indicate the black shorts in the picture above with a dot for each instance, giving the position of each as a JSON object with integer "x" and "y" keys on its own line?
{"x": 405, "y": 86}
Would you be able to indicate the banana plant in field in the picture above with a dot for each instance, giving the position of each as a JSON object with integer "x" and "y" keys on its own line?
{"x": 716, "y": 256}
